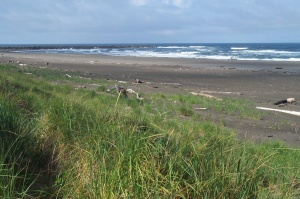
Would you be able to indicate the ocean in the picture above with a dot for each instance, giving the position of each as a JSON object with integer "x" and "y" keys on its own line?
{"x": 225, "y": 51}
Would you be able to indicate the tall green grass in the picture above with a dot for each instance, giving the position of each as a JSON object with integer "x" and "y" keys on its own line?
{"x": 89, "y": 144}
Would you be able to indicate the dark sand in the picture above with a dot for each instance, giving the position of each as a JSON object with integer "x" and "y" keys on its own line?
{"x": 264, "y": 82}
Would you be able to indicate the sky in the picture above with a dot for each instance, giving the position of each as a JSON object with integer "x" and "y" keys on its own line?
{"x": 148, "y": 21}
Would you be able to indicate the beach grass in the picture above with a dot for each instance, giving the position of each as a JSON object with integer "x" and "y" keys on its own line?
{"x": 58, "y": 141}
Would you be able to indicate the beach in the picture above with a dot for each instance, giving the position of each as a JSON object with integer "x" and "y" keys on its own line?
{"x": 263, "y": 82}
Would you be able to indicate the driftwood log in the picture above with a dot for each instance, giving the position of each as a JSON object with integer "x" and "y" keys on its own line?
{"x": 279, "y": 110}
{"x": 206, "y": 95}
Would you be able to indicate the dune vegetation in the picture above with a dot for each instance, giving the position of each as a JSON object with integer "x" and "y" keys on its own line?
{"x": 65, "y": 142}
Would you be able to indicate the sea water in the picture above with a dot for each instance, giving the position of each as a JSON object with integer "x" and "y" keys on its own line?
{"x": 225, "y": 51}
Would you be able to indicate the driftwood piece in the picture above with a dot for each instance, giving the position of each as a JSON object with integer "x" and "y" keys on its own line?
{"x": 172, "y": 84}
{"x": 206, "y": 95}
{"x": 200, "y": 108}
{"x": 124, "y": 91}
{"x": 279, "y": 110}
{"x": 129, "y": 90}
{"x": 222, "y": 92}
{"x": 133, "y": 92}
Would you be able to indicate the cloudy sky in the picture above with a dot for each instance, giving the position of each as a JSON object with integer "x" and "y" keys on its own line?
{"x": 148, "y": 21}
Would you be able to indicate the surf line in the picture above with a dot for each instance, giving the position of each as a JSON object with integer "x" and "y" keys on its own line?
{"x": 279, "y": 110}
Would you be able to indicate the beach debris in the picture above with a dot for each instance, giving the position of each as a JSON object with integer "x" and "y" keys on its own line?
{"x": 122, "y": 82}
{"x": 119, "y": 89}
{"x": 130, "y": 90}
{"x": 22, "y": 64}
{"x": 80, "y": 86}
{"x": 286, "y": 101}
{"x": 95, "y": 85}
{"x": 138, "y": 97}
{"x": 206, "y": 95}
{"x": 279, "y": 110}
{"x": 220, "y": 92}
{"x": 137, "y": 81}
{"x": 133, "y": 92}
{"x": 172, "y": 84}
{"x": 278, "y": 68}
{"x": 88, "y": 73}
{"x": 69, "y": 76}
{"x": 200, "y": 108}
{"x": 124, "y": 91}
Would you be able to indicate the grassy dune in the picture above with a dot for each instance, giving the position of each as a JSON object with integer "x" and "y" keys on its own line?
{"x": 57, "y": 141}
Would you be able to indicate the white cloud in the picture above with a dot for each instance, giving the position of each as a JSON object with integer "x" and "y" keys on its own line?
{"x": 147, "y": 20}
{"x": 176, "y": 3}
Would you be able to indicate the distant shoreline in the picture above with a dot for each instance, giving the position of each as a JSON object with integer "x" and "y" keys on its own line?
{"x": 256, "y": 65}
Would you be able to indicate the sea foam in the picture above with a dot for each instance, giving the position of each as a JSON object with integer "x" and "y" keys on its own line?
{"x": 269, "y": 52}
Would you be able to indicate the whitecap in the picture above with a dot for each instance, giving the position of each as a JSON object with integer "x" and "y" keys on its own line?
{"x": 171, "y": 47}
{"x": 268, "y": 51}
{"x": 239, "y": 48}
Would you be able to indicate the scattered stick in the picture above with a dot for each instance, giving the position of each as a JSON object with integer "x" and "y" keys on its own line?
{"x": 220, "y": 92}
{"x": 206, "y": 95}
{"x": 282, "y": 111}
{"x": 129, "y": 90}
{"x": 124, "y": 91}
{"x": 95, "y": 84}
{"x": 172, "y": 84}
{"x": 133, "y": 92}
{"x": 200, "y": 108}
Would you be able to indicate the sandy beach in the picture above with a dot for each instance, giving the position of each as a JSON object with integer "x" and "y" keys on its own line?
{"x": 263, "y": 82}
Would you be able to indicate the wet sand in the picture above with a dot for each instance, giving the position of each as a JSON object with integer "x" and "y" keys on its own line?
{"x": 264, "y": 82}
